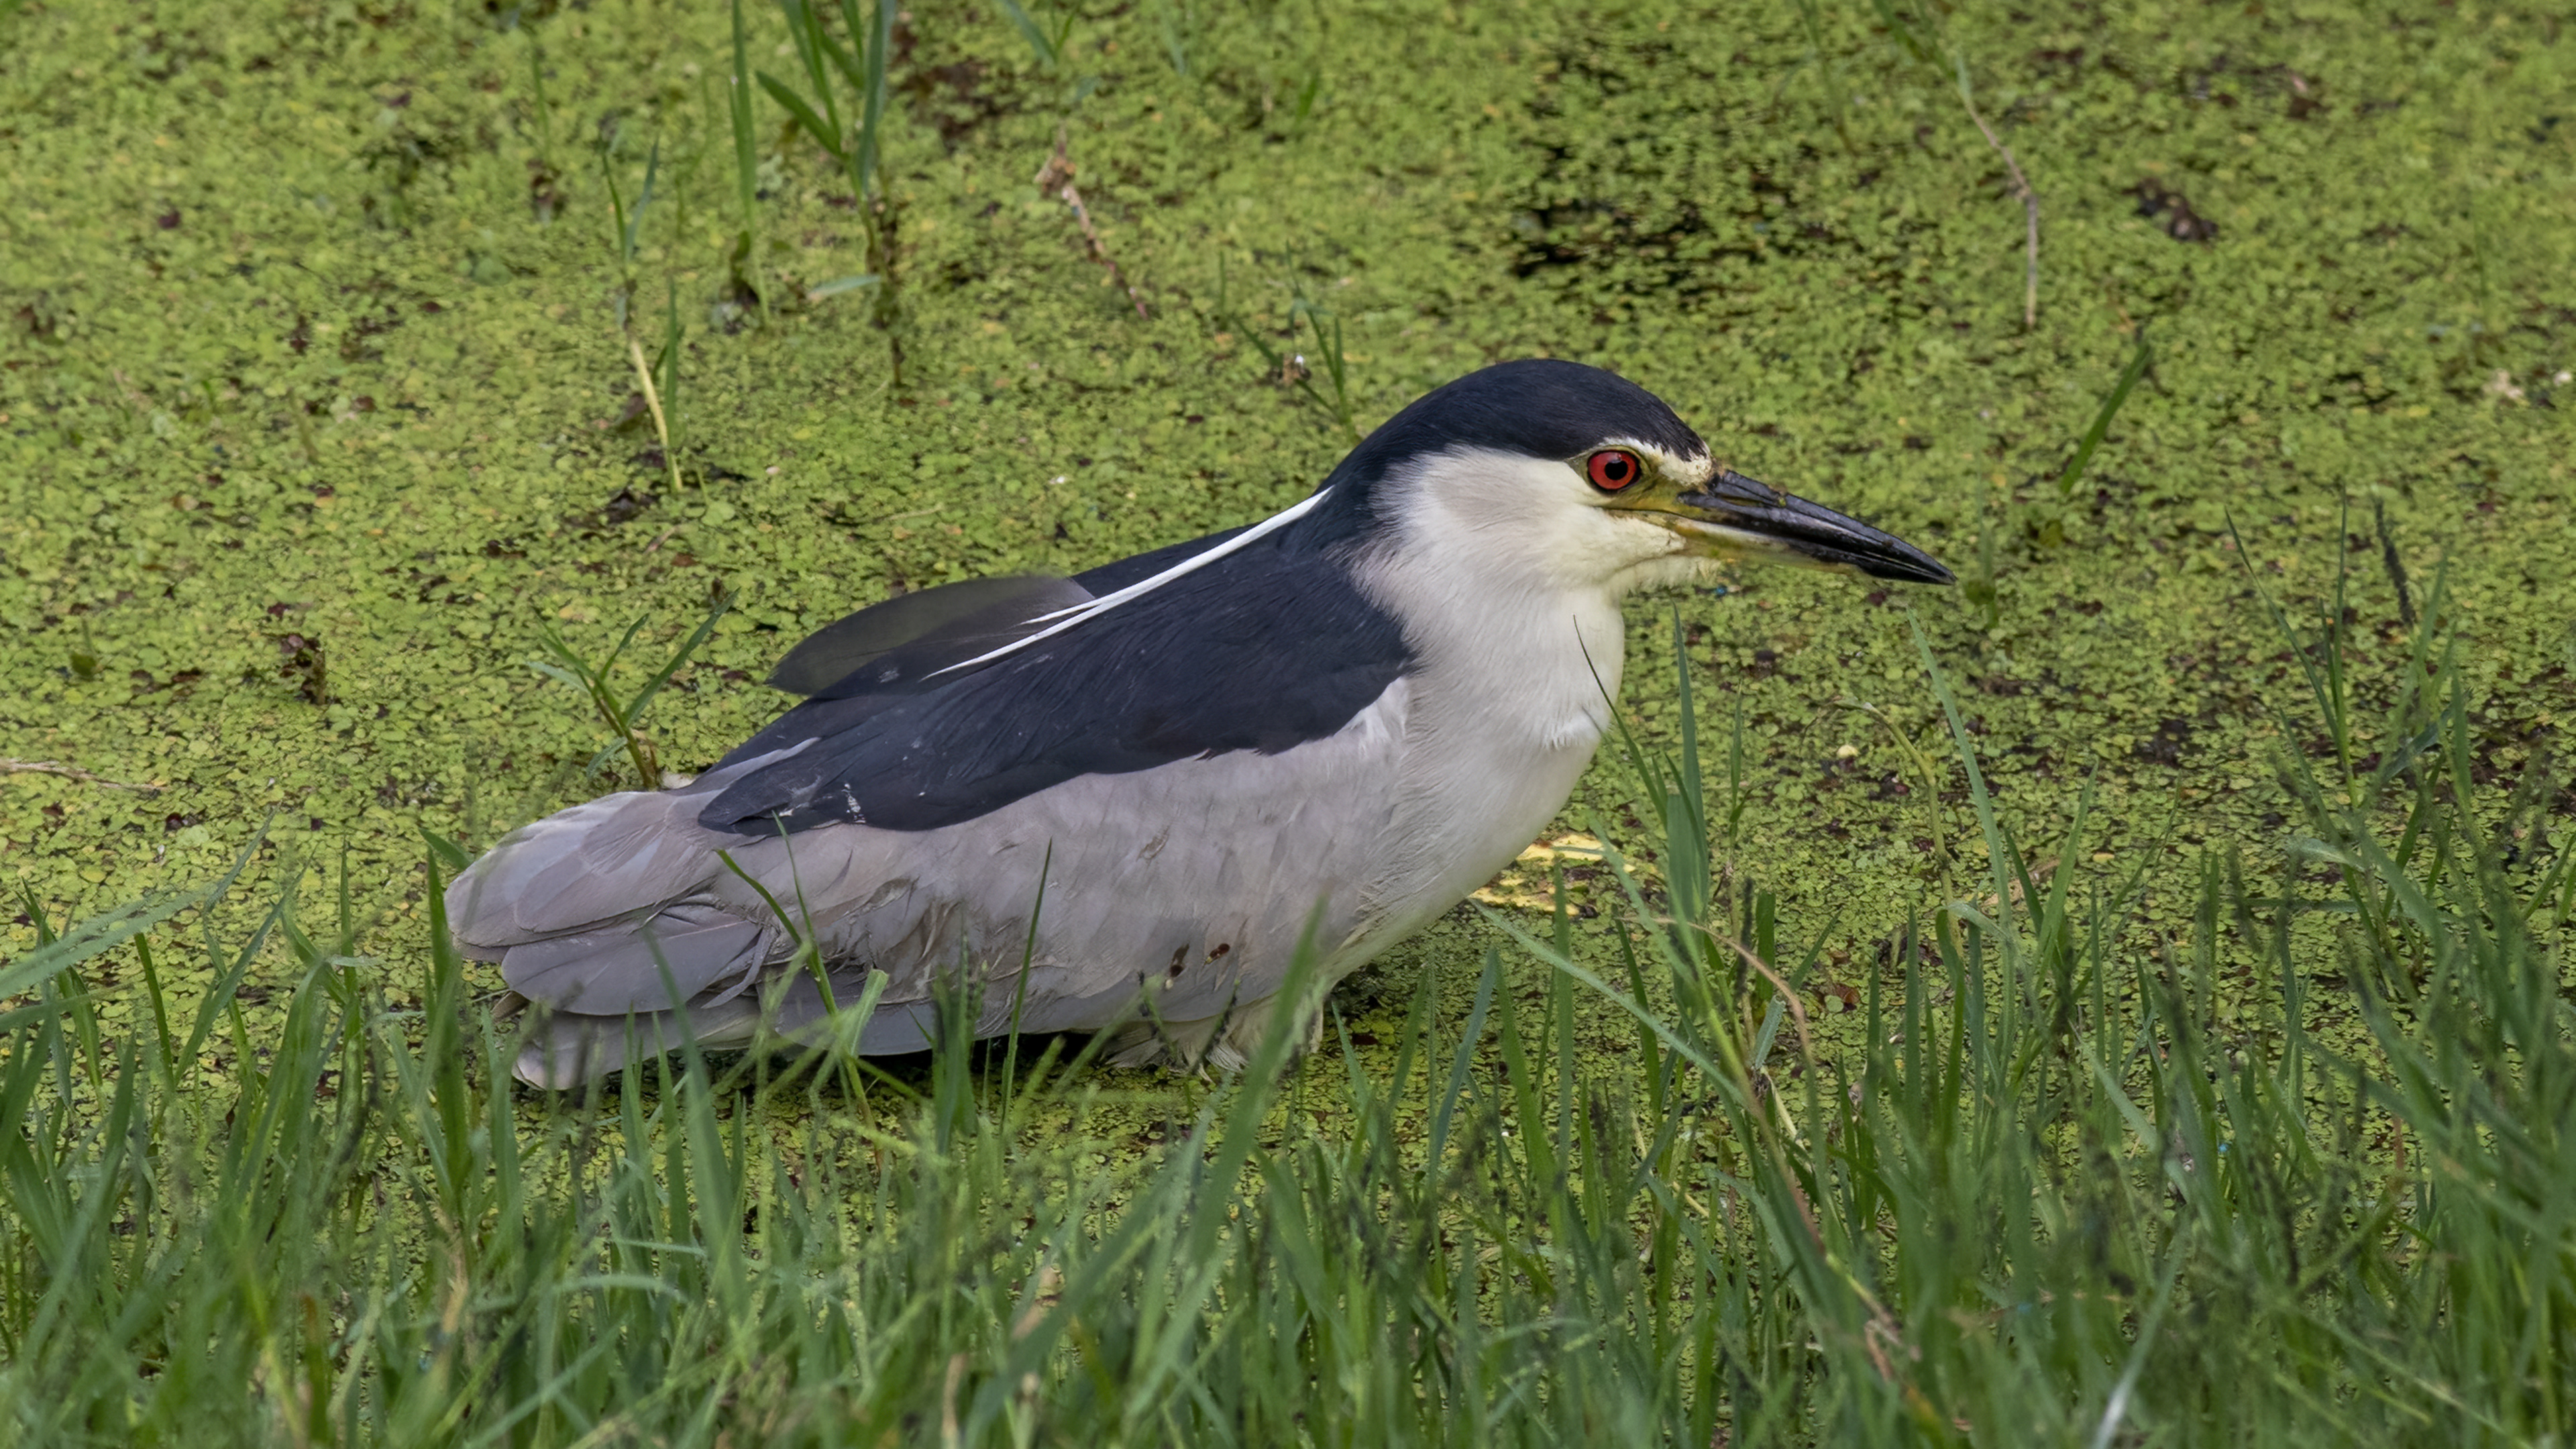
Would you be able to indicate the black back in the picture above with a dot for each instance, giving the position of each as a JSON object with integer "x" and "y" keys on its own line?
{"x": 970, "y": 619}
{"x": 1263, "y": 650}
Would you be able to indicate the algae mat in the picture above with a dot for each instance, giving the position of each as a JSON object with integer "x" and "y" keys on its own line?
{"x": 314, "y": 409}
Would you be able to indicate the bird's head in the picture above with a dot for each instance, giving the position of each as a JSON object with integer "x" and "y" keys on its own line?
{"x": 1582, "y": 479}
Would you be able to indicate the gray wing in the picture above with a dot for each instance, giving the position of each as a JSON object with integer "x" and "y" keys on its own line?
{"x": 588, "y": 909}
{"x": 1192, "y": 885}
{"x": 960, "y": 620}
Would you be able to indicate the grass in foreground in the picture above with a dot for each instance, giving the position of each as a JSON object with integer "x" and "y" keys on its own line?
{"x": 2049, "y": 1202}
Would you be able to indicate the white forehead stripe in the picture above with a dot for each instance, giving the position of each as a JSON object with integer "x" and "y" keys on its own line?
{"x": 1078, "y": 613}
{"x": 1694, "y": 468}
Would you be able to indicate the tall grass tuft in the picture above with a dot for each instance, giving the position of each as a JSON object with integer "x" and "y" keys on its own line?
{"x": 624, "y": 715}
{"x": 657, "y": 381}
{"x": 1046, "y": 42}
{"x": 2052, "y": 1195}
{"x": 1289, "y": 365}
{"x": 744, "y": 263}
{"x": 818, "y": 108}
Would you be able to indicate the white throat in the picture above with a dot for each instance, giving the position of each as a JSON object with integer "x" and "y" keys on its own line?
{"x": 1509, "y": 593}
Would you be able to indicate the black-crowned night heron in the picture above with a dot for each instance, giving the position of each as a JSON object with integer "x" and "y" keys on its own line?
{"x": 1352, "y": 714}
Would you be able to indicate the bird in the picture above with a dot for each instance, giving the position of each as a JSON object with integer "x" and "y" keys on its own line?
{"x": 1119, "y": 802}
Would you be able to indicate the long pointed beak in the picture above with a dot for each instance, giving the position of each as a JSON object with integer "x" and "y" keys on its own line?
{"x": 1739, "y": 515}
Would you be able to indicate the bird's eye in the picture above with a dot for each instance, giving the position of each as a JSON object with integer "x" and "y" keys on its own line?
{"x": 1612, "y": 469}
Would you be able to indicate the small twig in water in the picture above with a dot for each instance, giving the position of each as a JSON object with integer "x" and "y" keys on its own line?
{"x": 2022, "y": 189}
{"x": 1056, "y": 177}
{"x": 68, "y": 772}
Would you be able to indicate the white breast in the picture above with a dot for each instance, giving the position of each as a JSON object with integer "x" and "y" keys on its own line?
{"x": 1520, "y": 649}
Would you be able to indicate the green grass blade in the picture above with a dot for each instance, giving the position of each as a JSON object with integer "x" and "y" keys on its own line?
{"x": 2102, "y": 416}
{"x": 1041, "y": 44}
{"x": 795, "y": 106}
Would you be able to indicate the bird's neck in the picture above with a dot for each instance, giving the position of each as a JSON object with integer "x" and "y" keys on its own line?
{"x": 1532, "y": 662}
{"x": 1512, "y": 688}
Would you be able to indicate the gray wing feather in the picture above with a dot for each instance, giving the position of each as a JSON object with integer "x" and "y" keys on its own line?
{"x": 612, "y": 972}
{"x": 588, "y": 908}
{"x": 605, "y": 861}
{"x": 967, "y": 619}
{"x": 566, "y": 1048}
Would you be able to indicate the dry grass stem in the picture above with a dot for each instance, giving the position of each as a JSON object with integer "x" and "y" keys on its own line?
{"x": 2030, "y": 212}
{"x": 1056, "y": 178}
{"x": 653, "y": 404}
{"x": 68, "y": 772}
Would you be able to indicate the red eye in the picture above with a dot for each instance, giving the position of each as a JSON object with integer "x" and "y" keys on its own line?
{"x": 1612, "y": 469}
